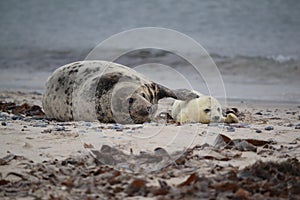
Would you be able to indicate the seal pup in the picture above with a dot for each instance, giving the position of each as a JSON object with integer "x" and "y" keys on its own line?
{"x": 203, "y": 109}
{"x": 101, "y": 90}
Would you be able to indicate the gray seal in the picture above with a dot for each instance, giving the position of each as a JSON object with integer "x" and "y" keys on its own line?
{"x": 101, "y": 90}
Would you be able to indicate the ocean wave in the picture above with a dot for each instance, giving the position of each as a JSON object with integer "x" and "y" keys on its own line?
{"x": 277, "y": 58}
{"x": 282, "y": 59}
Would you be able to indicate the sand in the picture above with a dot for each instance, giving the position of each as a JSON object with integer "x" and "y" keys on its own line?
{"x": 266, "y": 132}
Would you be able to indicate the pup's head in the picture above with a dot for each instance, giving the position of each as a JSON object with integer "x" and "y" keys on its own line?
{"x": 209, "y": 109}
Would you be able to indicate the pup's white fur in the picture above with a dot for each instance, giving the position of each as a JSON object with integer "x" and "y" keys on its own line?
{"x": 204, "y": 109}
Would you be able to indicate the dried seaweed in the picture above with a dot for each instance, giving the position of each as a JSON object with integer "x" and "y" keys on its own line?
{"x": 24, "y": 109}
{"x": 84, "y": 178}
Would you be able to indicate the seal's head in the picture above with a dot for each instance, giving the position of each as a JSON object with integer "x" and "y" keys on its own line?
{"x": 209, "y": 109}
{"x": 136, "y": 103}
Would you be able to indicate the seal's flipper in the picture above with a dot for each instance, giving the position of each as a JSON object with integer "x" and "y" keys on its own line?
{"x": 163, "y": 92}
{"x": 231, "y": 118}
{"x": 185, "y": 94}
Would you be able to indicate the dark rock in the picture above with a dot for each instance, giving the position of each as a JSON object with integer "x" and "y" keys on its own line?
{"x": 26, "y": 119}
{"x": 160, "y": 151}
{"x": 59, "y": 128}
{"x": 230, "y": 129}
{"x": 4, "y": 123}
{"x": 291, "y": 113}
{"x": 269, "y": 128}
{"x": 40, "y": 125}
{"x": 117, "y": 127}
{"x": 16, "y": 117}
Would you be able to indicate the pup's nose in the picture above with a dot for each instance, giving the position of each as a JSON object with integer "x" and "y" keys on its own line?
{"x": 216, "y": 118}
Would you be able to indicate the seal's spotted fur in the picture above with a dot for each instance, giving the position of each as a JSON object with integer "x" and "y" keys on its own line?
{"x": 109, "y": 92}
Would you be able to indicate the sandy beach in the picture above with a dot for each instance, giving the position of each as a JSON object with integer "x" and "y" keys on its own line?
{"x": 35, "y": 151}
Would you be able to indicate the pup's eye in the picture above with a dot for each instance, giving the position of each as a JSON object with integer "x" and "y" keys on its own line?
{"x": 143, "y": 95}
{"x": 130, "y": 100}
{"x": 207, "y": 110}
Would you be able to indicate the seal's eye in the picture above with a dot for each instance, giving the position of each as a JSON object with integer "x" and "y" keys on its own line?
{"x": 143, "y": 95}
{"x": 207, "y": 110}
{"x": 130, "y": 100}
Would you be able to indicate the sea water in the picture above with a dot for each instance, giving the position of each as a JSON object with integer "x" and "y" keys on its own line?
{"x": 39, "y": 36}
{"x": 269, "y": 28}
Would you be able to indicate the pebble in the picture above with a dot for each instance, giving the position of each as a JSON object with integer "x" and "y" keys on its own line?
{"x": 16, "y": 117}
{"x": 297, "y": 126}
{"x": 151, "y": 123}
{"x": 64, "y": 124}
{"x": 59, "y": 128}
{"x": 160, "y": 151}
{"x": 230, "y": 129}
{"x": 40, "y": 125}
{"x": 258, "y": 131}
{"x": 89, "y": 124}
{"x": 220, "y": 125}
{"x": 26, "y": 119}
{"x": 3, "y": 123}
{"x": 241, "y": 125}
{"x": 117, "y": 127}
{"x": 291, "y": 113}
{"x": 4, "y": 114}
{"x": 137, "y": 127}
{"x": 269, "y": 128}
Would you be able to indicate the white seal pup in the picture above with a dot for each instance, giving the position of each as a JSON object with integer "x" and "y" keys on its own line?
{"x": 101, "y": 90}
{"x": 204, "y": 109}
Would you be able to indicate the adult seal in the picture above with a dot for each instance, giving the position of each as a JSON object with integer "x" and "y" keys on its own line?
{"x": 101, "y": 90}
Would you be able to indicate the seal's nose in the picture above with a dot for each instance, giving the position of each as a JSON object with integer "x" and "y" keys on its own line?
{"x": 149, "y": 109}
{"x": 216, "y": 118}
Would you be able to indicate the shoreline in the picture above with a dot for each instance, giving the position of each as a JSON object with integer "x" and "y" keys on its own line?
{"x": 244, "y": 79}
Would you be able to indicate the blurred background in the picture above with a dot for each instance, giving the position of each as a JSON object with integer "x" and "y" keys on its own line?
{"x": 255, "y": 43}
